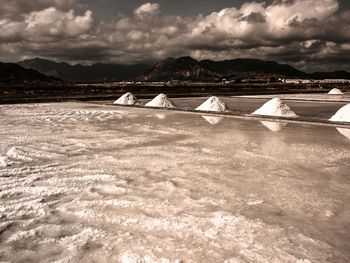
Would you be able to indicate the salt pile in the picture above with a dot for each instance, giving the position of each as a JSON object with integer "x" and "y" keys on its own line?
{"x": 213, "y": 104}
{"x": 274, "y": 126}
{"x": 342, "y": 115}
{"x": 275, "y": 107}
{"x": 161, "y": 101}
{"x": 127, "y": 99}
{"x": 335, "y": 91}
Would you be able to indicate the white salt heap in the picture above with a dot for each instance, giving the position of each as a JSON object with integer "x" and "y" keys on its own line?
{"x": 127, "y": 99}
{"x": 213, "y": 104}
{"x": 161, "y": 101}
{"x": 275, "y": 107}
{"x": 342, "y": 115}
{"x": 335, "y": 91}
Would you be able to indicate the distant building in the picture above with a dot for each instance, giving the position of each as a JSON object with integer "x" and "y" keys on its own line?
{"x": 335, "y": 81}
{"x": 306, "y": 81}
{"x": 298, "y": 81}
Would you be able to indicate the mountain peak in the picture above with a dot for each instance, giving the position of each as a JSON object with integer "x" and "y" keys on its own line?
{"x": 182, "y": 68}
{"x": 10, "y": 72}
{"x": 80, "y": 73}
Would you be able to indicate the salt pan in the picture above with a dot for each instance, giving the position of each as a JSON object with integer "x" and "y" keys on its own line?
{"x": 161, "y": 101}
{"x": 213, "y": 104}
{"x": 127, "y": 99}
{"x": 5, "y": 161}
{"x": 275, "y": 107}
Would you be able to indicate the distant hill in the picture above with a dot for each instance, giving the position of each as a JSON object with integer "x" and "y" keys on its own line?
{"x": 79, "y": 73}
{"x": 13, "y": 73}
{"x": 187, "y": 68}
{"x": 330, "y": 75}
{"x": 183, "y": 69}
{"x": 240, "y": 68}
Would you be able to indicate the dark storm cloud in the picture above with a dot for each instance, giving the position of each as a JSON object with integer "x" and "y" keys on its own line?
{"x": 292, "y": 31}
{"x": 88, "y": 51}
{"x": 25, "y": 6}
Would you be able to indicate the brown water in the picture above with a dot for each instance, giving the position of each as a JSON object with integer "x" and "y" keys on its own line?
{"x": 313, "y": 106}
{"x": 93, "y": 183}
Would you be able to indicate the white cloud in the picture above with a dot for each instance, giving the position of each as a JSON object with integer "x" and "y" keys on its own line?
{"x": 26, "y": 6}
{"x": 52, "y": 23}
{"x": 279, "y": 20}
{"x": 10, "y": 30}
{"x": 46, "y": 25}
{"x": 293, "y": 31}
{"x": 147, "y": 9}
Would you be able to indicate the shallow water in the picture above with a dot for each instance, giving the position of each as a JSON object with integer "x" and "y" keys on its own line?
{"x": 312, "y": 106}
{"x": 93, "y": 183}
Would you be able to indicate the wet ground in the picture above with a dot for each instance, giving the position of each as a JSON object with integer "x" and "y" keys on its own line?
{"x": 308, "y": 109}
{"x": 84, "y": 182}
{"x": 314, "y": 106}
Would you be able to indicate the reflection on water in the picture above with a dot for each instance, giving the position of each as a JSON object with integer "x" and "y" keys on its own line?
{"x": 345, "y": 132}
{"x": 160, "y": 116}
{"x": 89, "y": 184}
{"x": 212, "y": 119}
{"x": 274, "y": 126}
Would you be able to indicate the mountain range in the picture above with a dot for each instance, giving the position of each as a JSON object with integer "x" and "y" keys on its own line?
{"x": 80, "y": 73}
{"x": 182, "y": 69}
{"x": 187, "y": 68}
{"x": 12, "y": 73}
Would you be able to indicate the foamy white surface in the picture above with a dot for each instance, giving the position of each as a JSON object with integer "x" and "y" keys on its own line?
{"x": 275, "y": 107}
{"x": 213, "y": 104}
{"x": 161, "y": 101}
{"x": 127, "y": 99}
{"x": 335, "y": 91}
{"x": 91, "y": 183}
{"x": 342, "y": 115}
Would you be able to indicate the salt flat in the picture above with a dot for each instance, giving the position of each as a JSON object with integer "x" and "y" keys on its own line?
{"x": 94, "y": 183}
{"x": 306, "y": 107}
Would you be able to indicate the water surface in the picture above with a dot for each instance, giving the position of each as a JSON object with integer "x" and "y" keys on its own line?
{"x": 94, "y": 183}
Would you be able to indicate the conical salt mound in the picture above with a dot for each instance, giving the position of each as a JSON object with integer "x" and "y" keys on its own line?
{"x": 213, "y": 104}
{"x": 161, "y": 101}
{"x": 335, "y": 91}
{"x": 127, "y": 99}
{"x": 342, "y": 115}
{"x": 274, "y": 126}
{"x": 275, "y": 107}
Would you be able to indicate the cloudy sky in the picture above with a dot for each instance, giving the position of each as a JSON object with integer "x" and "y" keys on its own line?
{"x": 308, "y": 34}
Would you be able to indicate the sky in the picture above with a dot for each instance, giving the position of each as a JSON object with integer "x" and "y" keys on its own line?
{"x": 311, "y": 35}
